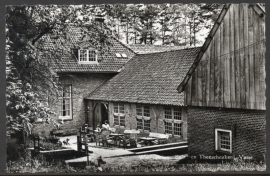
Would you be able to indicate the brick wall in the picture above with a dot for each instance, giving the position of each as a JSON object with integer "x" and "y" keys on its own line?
{"x": 248, "y": 130}
{"x": 82, "y": 85}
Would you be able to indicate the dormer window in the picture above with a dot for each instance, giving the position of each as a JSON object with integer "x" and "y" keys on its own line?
{"x": 121, "y": 55}
{"x": 87, "y": 56}
{"x": 118, "y": 55}
{"x": 124, "y": 55}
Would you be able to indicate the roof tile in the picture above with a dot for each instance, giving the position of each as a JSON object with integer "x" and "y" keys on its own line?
{"x": 108, "y": 62}
{"x": 149, "y": 78}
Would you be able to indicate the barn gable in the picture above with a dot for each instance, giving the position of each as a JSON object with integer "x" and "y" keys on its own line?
{"x": 229, "y": 71}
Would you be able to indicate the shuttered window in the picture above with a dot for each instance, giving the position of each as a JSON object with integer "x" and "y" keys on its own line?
{"x": 173, "y": 121}
{"x": 143, "y": 117}
{"x": 119, "y": 114}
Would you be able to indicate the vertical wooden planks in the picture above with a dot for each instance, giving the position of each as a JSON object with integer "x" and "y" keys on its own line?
{"x": 217, "y": 69}
{"x": 193, "y": 88}
{"x": 251, "y": 58}
{"x": 236, "y": 54}
{"x": 203, "y": 72}
{"x": 246, "y": 59}
{"x": 256, "y": 38}
{"x": 212, "y": 73}
{"x": 242, "y": 61}
{"x": 199, "y": 85}
{"x": 207, "y": 72}
{"x": 232, "y": 70}
{"x": 188, "y": 92}
{"x": 221, "y": 66}
{"x": 226, "y": 60}
{"x": 261, "y": 45}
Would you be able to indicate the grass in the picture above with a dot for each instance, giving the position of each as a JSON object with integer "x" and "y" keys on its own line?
{"x": 39, "y": 165}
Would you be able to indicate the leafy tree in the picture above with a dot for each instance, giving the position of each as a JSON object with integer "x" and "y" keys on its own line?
{"x": 30, "y": 53}
{"x": 22, "y": 103}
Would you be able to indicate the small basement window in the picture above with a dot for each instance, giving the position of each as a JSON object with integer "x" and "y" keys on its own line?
{"x": 223, "y": 140}
{"x": 87, "y": 56}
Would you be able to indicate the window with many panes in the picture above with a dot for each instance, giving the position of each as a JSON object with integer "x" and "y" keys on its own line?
{"x": 223, "y": 140}
{"x": 173, "y": 121}
{"x": 119, "y": 114}
{"x": 143, "y": 117}
{"x": 87, "y": 56}
{"x": 65, "y": 109}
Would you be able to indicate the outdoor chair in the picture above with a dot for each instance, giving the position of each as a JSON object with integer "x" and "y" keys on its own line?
{"x": 98, "y": 139}
{"x": 107, "y": 140}
{"x": 90, "y": 134}
{"x": 127, "y": 142}
{"x": 123, "y": 142}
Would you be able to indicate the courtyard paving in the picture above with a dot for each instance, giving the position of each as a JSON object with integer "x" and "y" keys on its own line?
{"x": 104, "y": 152}
{"x": 115, "y": 156}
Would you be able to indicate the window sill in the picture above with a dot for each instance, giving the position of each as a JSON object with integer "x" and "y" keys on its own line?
{"x": 223, "y": 152}
{"x": 65, "y": 118}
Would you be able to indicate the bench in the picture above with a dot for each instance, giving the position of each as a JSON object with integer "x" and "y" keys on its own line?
{"x": 162, "y": 138}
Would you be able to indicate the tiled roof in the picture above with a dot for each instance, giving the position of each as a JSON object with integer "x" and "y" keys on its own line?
{"x": 149, "y": 78}
{"x": 68, "y": 62}
{"x": 146, "y": 49}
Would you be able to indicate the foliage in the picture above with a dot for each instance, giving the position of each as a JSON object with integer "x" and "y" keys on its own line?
{"x": 170, "y": 24}
{"x": 22, "y": 103}
{"x": 17, "y": 151}
{"x": 30, "y": 79}
{"x": 40, "y": 166}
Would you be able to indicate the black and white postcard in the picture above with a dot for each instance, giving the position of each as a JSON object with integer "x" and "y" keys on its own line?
{"x": 135, "y": 88}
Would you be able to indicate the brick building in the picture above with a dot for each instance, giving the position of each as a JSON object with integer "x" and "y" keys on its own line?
{"x": 144, "y": 95}
{"x": 81, "y": 69}
{"x": 225, "y": 86}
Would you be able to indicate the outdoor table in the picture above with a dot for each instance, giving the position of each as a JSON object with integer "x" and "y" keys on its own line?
{"x": 132, "y": 132}
{"x": 147, "y": 140}
{"x": 116, "y": 136}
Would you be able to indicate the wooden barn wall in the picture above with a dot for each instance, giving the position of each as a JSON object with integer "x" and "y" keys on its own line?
{"x": 231, "y": 73}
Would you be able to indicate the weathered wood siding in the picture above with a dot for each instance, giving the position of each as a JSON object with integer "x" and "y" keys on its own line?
{"x": 231, "y": 72}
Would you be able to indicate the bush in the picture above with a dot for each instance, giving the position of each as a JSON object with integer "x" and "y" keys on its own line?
{"x": 16, "y": 150}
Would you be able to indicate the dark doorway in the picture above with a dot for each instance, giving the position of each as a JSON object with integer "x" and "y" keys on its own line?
{"x": 104, "y": 113}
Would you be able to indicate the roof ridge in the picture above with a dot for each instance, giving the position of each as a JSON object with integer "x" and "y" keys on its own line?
{"x": 123, "y": 44}
{"x": 147, "y": 77}
{"x": 169, "y": 51}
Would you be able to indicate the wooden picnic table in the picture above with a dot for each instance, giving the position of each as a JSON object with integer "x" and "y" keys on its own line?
{"x": 116, "y": 137}
{"x": 147, "y": 140}
{"x": 133, "y": 133}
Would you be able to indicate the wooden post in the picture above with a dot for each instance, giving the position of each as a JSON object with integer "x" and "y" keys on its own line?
{"x": 79, "y": 146}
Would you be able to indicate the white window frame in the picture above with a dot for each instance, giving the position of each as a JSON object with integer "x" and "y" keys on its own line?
{"x": 87, "y": 57}
{"x": 217, "y": 130}
{"x": 142, "y": 116}
{"x": 173, "y": 121}
{"x": 61, "y": 117}
{"x": 118, "y": 114}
